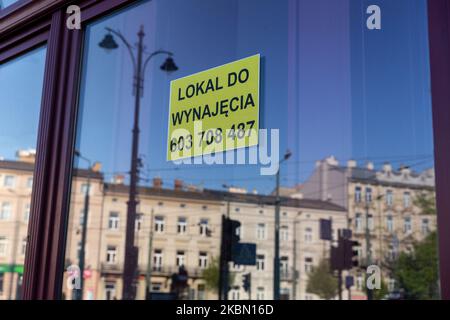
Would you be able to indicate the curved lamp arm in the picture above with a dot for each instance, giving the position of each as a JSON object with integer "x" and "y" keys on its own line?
{"x": 152, "y": 55}
{"x": 127, "y": 44}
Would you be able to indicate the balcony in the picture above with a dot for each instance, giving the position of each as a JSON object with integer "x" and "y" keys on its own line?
{"x": 286, "y": 275}
{"x": 167, "y": 271}
{"x": 111, "y": 268}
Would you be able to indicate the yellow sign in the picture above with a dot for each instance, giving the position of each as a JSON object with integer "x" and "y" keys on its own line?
{"x": 215, "y": 110}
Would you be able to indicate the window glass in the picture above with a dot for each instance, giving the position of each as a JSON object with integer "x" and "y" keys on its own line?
{"x": 19, "y": 119}
{"x": 6, "y": 3}
{"x": 343, "y": 98}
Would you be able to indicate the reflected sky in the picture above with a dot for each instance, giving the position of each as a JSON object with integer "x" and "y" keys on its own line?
{"x": 21, "y": 82}
{"x": 6, "y": 3}
{"x": 331, "y": 86}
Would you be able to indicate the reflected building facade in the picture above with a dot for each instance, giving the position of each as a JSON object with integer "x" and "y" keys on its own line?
{"x": 385, "y": 199}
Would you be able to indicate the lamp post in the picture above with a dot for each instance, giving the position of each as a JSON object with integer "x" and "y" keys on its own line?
{"x": 81, "y": 261}
{"x": 139, "y": 66}
{"x": 276, "y": 260}
{"x": 368, "y": 241}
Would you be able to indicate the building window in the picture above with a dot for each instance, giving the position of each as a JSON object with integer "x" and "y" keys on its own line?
{"x": 285, "y": 293}
{"x": 368, "y": 195}
{"x": 308, "y": 264}
{"x": 389, "y": 198}
{"x": 26, "y": 214}
{"x": 203, "y": 227}
{"x": 79, "y": 250}
{"x": 260, "y": 293}
{"x": 30, "y": 183}
{"x": 406, "y": 200}
{"x": 84, "y": 188}
{"x": 203, "y": 259}
{"x": 240, "y": 231}
{"x": 3, "y": 246}
{"x": 81, "y": 217}
{"x": 358, "y": 250}
{"x": 157, "y": 259}
{"x": 180, "y": 258}
{"x": 425, "y": 226}
{"x": 156, "y": 287}
{"x": 370, "y": 222}
{"x": 159, "y": 224}
{"x": 111, "y": 254}
{"x": 391, "y": 285}
{"x": 284, "y": 233}
{"x": 260, "y": 231}
{"x": 113, "y": 221}
{"x": 138, "y": 222}
{"x": 284, "y": 266}
{"x": 357, "y": 194}
{"x": 24, "y": 246}
{"x": 260, "y": 263}
{"x": 390, "y": 223}
{"x": 110, "y": 291}
{"x": 391, "y": 252}
{"x": 201, "y": 292}
{"x": 358, "y": 222}
{"x": 308, "y": 235}
{"x": 182, "y": 225}
{"x": 9, "y": 181}
{"x": 234, "y": 294}
{"x": 5, "y": 212}
{"x": 237, "y": 267}
{"x": 359, "y": 282}
{"x": 407, "y": 227}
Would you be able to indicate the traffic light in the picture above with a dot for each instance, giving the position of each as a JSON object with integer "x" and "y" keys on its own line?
{"x": 350, "y": 253}
{"x": 231, "y": 237}
{"x": 229, "y": 244}
{"x": 247, "y": 281}
{"x": 355, "y": 255}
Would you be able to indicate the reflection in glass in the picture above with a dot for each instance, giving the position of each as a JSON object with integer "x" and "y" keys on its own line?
{"x": 6, "y": 3}
{"x": 357, "y": 120}
{"x": 21, "y": 82}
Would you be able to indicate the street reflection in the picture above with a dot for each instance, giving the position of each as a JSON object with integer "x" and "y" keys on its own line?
{"x": 19, "y": 118}
{"x": 347, "y": 214}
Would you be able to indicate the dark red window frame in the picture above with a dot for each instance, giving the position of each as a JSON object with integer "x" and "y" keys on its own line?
{"x": 29, "y": 23}
{"x": 26, "y": 25}
{"x": 439, "y": 35}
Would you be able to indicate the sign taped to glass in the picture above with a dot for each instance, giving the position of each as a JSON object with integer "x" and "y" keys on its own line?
{"x": 215, "y": 110}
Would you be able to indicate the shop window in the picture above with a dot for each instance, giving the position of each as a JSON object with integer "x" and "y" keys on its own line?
{"x": 325, "y": 89}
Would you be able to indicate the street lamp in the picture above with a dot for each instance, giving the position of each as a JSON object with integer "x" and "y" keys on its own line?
{"x": 276, "y": 260}
{"x": 81, "y": 261}
{"x": 139, "y": 66}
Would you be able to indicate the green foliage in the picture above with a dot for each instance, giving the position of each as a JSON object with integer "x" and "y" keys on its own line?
{"x": 322, "y": 282}
{"x": 212, "y": 274}
{"x": 426, "y": 201}
{"x": 381, "y": 293}
{"x": 417, "y": 272}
